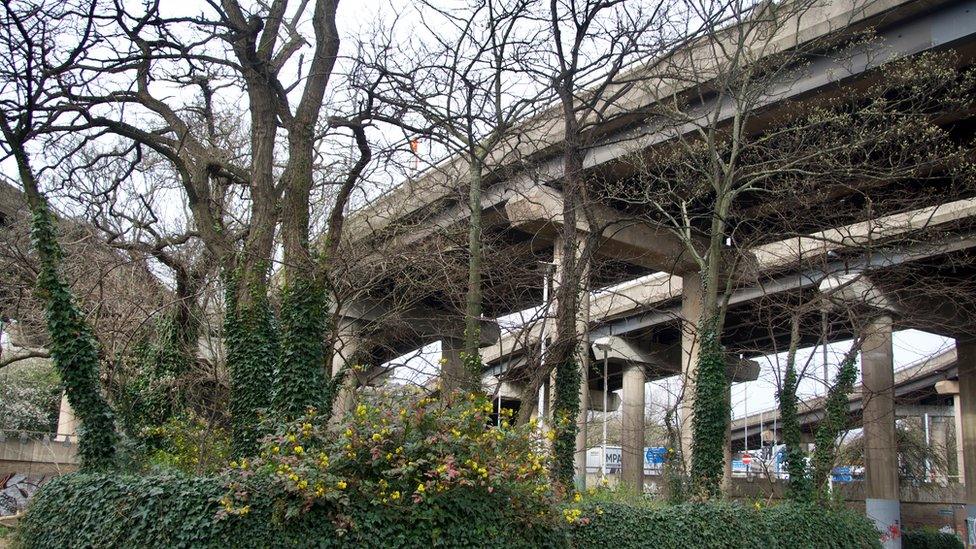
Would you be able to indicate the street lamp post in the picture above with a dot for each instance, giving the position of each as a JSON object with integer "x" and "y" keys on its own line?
{"x": 606, "y": 350}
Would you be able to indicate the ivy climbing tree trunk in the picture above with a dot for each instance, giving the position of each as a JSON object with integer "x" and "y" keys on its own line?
{"x": 835, "y": 420}
{"x": 300, "y": 382}
{"x": 795, "y": 456}
{"x": 566, "y": 401}
{"x": 711, "y": 411}
{"x": 711, "y": 386}
{"x": 251, "y": 336}
{"x": 31, "y": 64}
{"x": 73, "y": 347}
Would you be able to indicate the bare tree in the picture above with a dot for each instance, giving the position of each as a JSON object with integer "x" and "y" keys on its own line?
{"x": 40, "y": 43}
{"x": 594, "y": 44}
{"x": 241, "y": 193}
{"x": 459, "y": 85}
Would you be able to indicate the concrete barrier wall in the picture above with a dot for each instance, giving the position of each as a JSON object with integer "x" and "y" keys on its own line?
{"x": 33, "y": 456}
{"x": 928, "y": 505}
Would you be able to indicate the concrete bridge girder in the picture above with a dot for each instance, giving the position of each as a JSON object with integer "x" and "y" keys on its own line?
{"x": 538, "y": 211}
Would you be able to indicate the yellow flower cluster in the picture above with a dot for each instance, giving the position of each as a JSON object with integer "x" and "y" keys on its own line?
{"x": 477, "y": 469}
{"x": 572, "y": 515}
{"x": 228, "y": 505}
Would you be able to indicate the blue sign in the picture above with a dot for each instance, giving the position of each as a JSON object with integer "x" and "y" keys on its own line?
{"x": 655, "y": 455}
{"x": 738, "y": 466}
{"x": 841, "y": 475}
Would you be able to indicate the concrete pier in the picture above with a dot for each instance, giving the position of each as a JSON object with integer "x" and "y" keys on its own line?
{"x": 691, "y": 310}
{"x": 67, "y": 422}
{"x": 452, "y": 367}
{"x": 880, "y": 446}
{"x": 344, "y": 354}
{"x": 966, "y": 410}
{"x": 632, "y": 432}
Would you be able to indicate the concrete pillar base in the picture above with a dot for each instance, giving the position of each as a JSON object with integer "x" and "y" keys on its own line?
{"x": 67, "y": 422}
{"x": 632, "y": 431}
{"x": 886, "y": 515}
{"x": 344, "y": 354}
{"x": 969, "y": 536}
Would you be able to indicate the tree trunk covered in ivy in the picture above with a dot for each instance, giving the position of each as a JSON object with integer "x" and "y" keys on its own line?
{"x": 566, "y": 410}
{"x": 251, "y": 335}
{"x": 73, "y": 347}
{"x": 711, "y": 412}
{"x": 834, "y": 421}
{"x": 300, "y": 380}
{"x": 711, "y": 385}
{"x": 795, "y": 456}
{"x": 566, "y": 402}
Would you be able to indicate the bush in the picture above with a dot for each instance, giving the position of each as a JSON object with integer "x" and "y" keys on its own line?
{"x": 99, "y": 510}
{"x": 401, "y": 476}
{"x": 30, "y": 393}
{"x": 185, "y": 443}
{"x": 395, "y": 476}
{"x": 398, "y": 456}
{"x": 717, "y": 524}
{"x": 930, "y": 539}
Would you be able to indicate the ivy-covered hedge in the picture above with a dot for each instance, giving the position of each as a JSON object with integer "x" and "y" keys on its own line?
{"x": 716, "y": 525}
{"x": 99, "y": 510}
{"x": 930, "y": 539}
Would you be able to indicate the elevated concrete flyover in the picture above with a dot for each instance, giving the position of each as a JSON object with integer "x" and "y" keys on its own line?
{"x": 435, "y": 200}
{"x": 521, "y": 199}
{"x": 916, "y": 390}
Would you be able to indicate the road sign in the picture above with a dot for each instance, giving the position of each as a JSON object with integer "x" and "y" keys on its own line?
{"x": 746, "y": 458}
{"x": 655, "y": 455}
{"x": 841, "y": 475}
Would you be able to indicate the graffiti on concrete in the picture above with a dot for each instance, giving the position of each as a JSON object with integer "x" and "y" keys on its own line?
{"x": 15, "y": 490}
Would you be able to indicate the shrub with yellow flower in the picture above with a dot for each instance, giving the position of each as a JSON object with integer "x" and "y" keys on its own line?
{"x": 389, "y": 452}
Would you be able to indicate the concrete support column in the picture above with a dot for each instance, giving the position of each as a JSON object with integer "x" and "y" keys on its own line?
{"x": 632, "y": 432}
{"x": 938, "y": 439}
{"x": 344, "y": 354}
{"x": 880, "y": 448}
{"x": 966, "y": 411}
{"x": 452, "y": 367}
{"x": 67, "y": 422}
{"x": 950, "y": 387}
{"x": 957, "y": 424}
{"x": 691, "y": 310}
